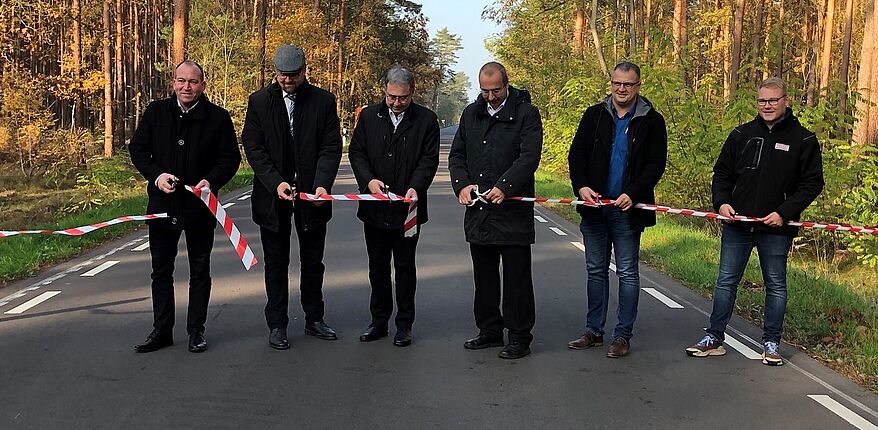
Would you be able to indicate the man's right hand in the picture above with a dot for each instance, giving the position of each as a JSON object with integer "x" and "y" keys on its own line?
{"x": 167, "y": 182}
{"x": 286, "y": 192}
{"x": 726, "y": 210}
{"x": 587, "y": 194}
{"x": 377, "y": 187}
{"x": 465, "y": 196}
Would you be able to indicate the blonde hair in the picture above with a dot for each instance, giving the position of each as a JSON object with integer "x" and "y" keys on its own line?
{"x": 774, "y": 82}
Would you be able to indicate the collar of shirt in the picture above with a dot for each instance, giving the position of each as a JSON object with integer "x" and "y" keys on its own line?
{"x": 492, "y": 111}
{"x": 184, "y": 109}
{"x": 627, "y": 115}
{"x": 395, "y": 118}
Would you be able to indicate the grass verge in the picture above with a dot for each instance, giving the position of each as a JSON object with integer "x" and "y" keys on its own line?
{"x": 831, "y": 312}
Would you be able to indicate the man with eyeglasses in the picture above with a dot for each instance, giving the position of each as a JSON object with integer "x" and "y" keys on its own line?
{"x": 770, "y": 168}
{"x": 619, "y": 152}
{"x": 495, "y": 153}
{"x": 292, "y": 140}
{"x": 182, "y": 140}
{"x": 394, "y": 149}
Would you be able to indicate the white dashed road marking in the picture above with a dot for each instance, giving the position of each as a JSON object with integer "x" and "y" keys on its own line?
{"x": 845, "y": 413}
{"x": 32, "y": 302}
{"x": 106, "y": 265}
{"x": 540, "y": 219}
{"x": 244, "y": 197}
{"x": 558, "y": 231}
{"x": 663, "y": 298}
{"x": 229, "y": 204}
{"x": 743, "y": 349}
{"x": 141, "y": 247}
{"x": 579, "y": 245}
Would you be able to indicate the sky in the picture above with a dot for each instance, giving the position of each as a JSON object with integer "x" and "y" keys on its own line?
{"x": 463, "y": 18}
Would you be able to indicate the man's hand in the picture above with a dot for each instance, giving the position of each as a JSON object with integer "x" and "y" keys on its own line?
{"x": 167, "y": 182}
{"x": 465, "y": 197}
{"x": 376, "y": 186}
{"x": 587, "y": 194}
{"x": 318, "y": 192}
{"x": 726, "y": 210}
{"x": 411, "y": 194}
{"x": 203, "y": 184}
{"x": 773, "y": 219}
{"x": 285, "y": 192}
{"x": 624, "y": 202}
{"x": 495, "y": 196}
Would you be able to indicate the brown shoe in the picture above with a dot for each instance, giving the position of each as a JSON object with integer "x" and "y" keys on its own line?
{"x": 619, "y": 348}
{"x": 587, "y": 340}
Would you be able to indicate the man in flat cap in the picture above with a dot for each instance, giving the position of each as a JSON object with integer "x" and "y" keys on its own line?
{"x": 292, "y": 140}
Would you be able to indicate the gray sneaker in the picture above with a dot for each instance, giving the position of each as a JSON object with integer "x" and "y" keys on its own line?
{"x": 770, "y": 355}
{"x": 707, "y": 346}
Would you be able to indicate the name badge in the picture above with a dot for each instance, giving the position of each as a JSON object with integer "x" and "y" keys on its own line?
{"x": 782, "y": 147}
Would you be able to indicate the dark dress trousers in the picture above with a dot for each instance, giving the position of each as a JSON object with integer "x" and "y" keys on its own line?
{"x": 306, "y": 160}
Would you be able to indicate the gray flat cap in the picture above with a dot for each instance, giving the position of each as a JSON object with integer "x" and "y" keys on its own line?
{"x": 289, "y": 58}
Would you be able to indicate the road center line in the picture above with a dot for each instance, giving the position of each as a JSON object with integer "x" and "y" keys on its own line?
{"x": 244, "y": 197}
{"x": 843, "y": 412}
{"x": 142, "y": 247}
{"x": 663, "y": 298}
{"x": 558, "y": 231}
{"x": 540, "y": 219}
{"x": 104, "y": 266}
{"x": 32, "y": 302}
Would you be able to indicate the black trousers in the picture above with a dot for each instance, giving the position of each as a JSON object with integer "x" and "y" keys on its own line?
{"x": 517, "y": 291}
{"x": 382, "y": 245}
{"x": 163, "y": 243}
{"x": 276, "y": 248}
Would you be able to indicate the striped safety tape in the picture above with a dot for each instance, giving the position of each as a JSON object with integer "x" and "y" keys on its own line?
{"x": 234, "y": 235}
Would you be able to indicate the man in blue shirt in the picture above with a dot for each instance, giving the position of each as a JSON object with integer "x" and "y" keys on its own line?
{"x": 619, "y": 152}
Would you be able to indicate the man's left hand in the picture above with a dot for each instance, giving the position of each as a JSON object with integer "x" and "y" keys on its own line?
{"x": 773, "y": 219}
{"x": 411, "y": 194}
{"x": 624, "y": 202}
{"x": 495, "y": 196}
{"x": 318, "y": 192}
{"x": 203, "y": 184}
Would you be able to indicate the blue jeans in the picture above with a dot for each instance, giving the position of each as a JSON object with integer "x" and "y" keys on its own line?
{"x": 773, "y": 249}
{"x": 602, "y": 230}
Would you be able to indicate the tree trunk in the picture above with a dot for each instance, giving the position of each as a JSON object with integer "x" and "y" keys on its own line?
{"x": 780, "y": 40}
{"x": 866, "y": 126}
{"x": 341, "y": 53}
{"x": 632, "y": 30}
{"x": 119, "y": 75}
{"x": 826, "y": 56}
{"x": 578, "y": 29}
{"x": 181, "y": 29}
{"x": 735, "y": 63}
{"x": 108, "y": 84}
{"x": 599, "y": 50}
{"x": 756, "y": 46}
{"x": 76, "y": 29}
{"x": 679, "y": 28}
{"x": 647, "y": 22}
{"x": 846, "y": 54}
{"x": 262, "y": 24}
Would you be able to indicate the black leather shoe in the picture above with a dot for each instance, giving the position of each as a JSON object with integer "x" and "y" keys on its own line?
{"x": 197, "y": 342}
{"x": 514, "y": 350}
{"x": 403, "y": 336}
{"x": 373, "y": 333}
{"x": 320, "y": 330}
{"x": 482, "y": 341}
{"x": 278, "y": 339}
{"x": 156, "y": 340}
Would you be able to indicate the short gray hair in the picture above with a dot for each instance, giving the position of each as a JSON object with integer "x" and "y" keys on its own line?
{"x": 399, "y": 75}
{"x": 775, "y": 82}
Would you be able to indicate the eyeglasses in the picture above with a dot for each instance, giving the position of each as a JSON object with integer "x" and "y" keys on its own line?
{"x": 617, "y": 84}
{"x": 493, "y": 91}
{"x": 392, "y": 98}
{"x": 769, "y": 102}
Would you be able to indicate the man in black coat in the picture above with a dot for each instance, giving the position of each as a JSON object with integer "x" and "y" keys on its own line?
{"x": 770, "y": 168}
{"x": 395, "y": 148}
{"x": 182, "y": 140}
{"x": 494, "y": 156}
{"x": 619, "y": 152}
{"x": 292, "y": 140}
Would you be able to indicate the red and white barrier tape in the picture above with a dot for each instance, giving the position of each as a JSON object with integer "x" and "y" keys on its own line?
{"x": 235, "y": 236}
{"x": 410, "y": 226}
{"x": 79, "y": 231}
{"x": 708, "y": 215}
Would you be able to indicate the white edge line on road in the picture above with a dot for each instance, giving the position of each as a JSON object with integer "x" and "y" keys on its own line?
{"x": 244, "y": 197}
{"x": 229, "y": 204}
{"x": 540, "y": 219}
{"x": 662, "y": 298}
{"x": 843, "y": 412}
{"x": 32, "y": 302}
{"x": 142, "y": 247}
{"x": 743, "y": 349}
{"x": 578, "y": 246}
{"x": 104, "y": 266}
{"x": 558, "y": 231}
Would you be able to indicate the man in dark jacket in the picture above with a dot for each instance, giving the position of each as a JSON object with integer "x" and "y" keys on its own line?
{"x": 770, "y": 168}
{"x": 292, "y": 140}
{"x": 395, "y": 148}
{"x": 182, "y": 140}
{"x": 619, "y": 152}
{"x": 494, "y": 156}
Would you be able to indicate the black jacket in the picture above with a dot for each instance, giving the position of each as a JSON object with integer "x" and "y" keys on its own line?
{"x": 200, "y": 144}
{"x": 589, "y": 157}
{"x": 762, "y": 170}
{"x": 406, "y": 158}
{"x": 309, "y": 161}
{"x": 500, "y": 151}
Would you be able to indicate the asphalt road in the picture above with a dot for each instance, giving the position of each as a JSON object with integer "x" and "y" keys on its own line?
{"x": 68, "y": 362}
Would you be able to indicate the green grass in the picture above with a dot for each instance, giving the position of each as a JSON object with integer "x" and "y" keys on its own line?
{"x": 22, "y": 256}
{"x": 831, "y": 314}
